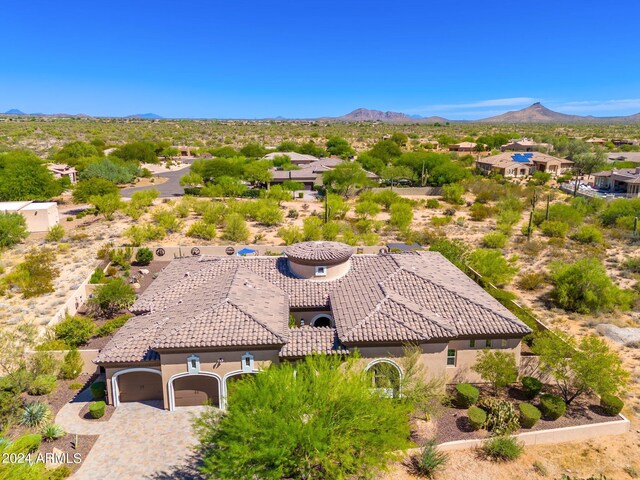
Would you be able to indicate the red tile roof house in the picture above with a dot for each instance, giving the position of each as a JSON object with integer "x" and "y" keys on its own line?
{"x": 509, "y": 164}
{"x": 207, "y": 321}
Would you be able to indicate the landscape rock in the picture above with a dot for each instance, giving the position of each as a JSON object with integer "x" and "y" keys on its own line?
{"x": 624, "y": 336}
{"x": 144, "y": 271}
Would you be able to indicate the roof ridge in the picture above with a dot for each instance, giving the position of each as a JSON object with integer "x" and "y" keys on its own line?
{"x": 262, "y": 324}
{"x": 386, "y": 315}
{"x": 474, "y": 302}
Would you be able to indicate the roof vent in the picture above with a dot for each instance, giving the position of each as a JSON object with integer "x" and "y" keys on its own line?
{"x": 186, "y": 274}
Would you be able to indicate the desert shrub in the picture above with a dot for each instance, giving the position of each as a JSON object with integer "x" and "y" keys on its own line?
{"x": 42, "y": 385}
{"x": 290, "y": 234}
{"x": 492, "y": 265}
{"x": 340, "y": 429}
{"x": 311, "y": 228}
{"x": 35, "y": 414}
{"x": 440, "y": 221}
{"x": 113, "y": 296}
{"x": 43, "y": 363}
{"x": 432, "y": 203}
{"x": 97, "y": 390}
{"x": 532, "y": 281}
{"x": 107, "y": 205}
{"x": 167, "y": 220}
{"x": 236, "y": 229}
{"x": 540, "y": 178}
{"x": 139, "y": 234}
{"x": 25, "y": 444}
{"x": 52, "y": 432}
{"x": 144, "y": 256}
{"x": 531, "y": 386}
{"x": 552, "y": 406}
{"x": 611, "y": 404}
{"x": 202, "y": 230}
{"x": 477, "y": 417}
{"x": 429, "y": 461}
{"x": 330, "y": 230}
{"x": 55, "y": 234}
{"x": 495, "y": 240}
{"x": 269, "y": 214}
{"x": 585, "y": 287}
{"x": 71, "y": 366}
{"x": 401, "y": 215}
{"x": 632, "y": 265}
{"x": 588, "y": 234}
{"x": 13, "y": 229}
{"x": 466, "y": 395}
{"x": 85, "y": 189}
{"x": 452, "y": 193}
{"x": 620, "y": 209}
{"x": 75, "y": 331}
{"x": 559, "y": 212}
{"x": 121, "y": 257}
{"x": 97, "y": 409}
{"x": 479, "y": 212}
{"x": 502, "y": 417}
{"x": 529, "y": 415}
{"x": 555, "y": 229}
{"x": 112, "y": 325}
{"x": 502, "y": 449}
{"x": 34, "y": 276}
{"x": 97, "y": 276}
{"x": 496, "y": 367}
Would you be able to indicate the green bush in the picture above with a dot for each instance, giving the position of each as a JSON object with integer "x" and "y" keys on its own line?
{"x": 203, "y": 230}
{"x": 401, "y": 215}
{"x": 17, "y": 381}
{"x": 42, "y": 385}
{"x": 97, "y": 390}
{"x": 235, "y": 228}
{"x": 619, "y": 209}
{"x": 61, "y": 472}
{"x": 477, "y": 417}
{"x": 502, "y": 417}
{"x": 552, "y": 406}
{"x": 71, "y": 366}
{"x": 429, "y": 461}
{"x": 112, "y": 325}
{"x": 13, "y": 229}
{"x": 97, "y": 409}
{"x": 531, "y": 386}
{"x": 52, "y": 432}
{"x": 97, "y": 276}
{"x": 492, "y": 265}
{"x": 144, "y": 256}
{"x": 554, "y": 229}
{"x": 529, "y": 415}
{"x": 35, "y": 414}
{"x": 113, "y": 296}
{"x": 588, "y": 234}
{"x": 432, "y": 203}
{"x": 560, "y": 212}
{"x": 55, "y": 234}
{"x": 479, "y": 212}
{"x": 43, "y": 363}
{"x": 440, "y": 221}
{"x": 611, "y": 404}
{"x": 75, "y": 331}
{"x": 452, "y": 193}
{"x": 532, "y": 281}
{"x": 502, "y": 449}
{"x": 466, "y": 395}
{"x": 25, "y": 444}
{"x": 495, "y": 240}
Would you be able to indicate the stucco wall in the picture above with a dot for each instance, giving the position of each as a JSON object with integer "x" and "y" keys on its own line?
{"x": 40, "y": 220}
{"x": 466, "y": 357}
{"x": 309, "y": 271}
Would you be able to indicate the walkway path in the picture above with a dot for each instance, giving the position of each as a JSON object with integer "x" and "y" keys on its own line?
{"x": 139, "y": 441}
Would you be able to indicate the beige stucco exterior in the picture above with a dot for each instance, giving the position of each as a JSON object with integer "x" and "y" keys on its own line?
{"x": 224, "y": 364}
{"x": 333, "y": 272}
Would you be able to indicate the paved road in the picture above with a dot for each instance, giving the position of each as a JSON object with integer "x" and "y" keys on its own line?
{"x": 170, "y": 188}
{"x": 140, "y": 441}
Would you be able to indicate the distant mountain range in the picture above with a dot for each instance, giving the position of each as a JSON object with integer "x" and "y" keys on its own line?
{"x": 536, "y": 113}
{"x": 15, "y": 111}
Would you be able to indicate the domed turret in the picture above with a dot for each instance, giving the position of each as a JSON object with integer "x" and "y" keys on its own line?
{"x": 319, "y": 260}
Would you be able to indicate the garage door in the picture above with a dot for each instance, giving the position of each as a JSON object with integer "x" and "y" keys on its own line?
{"x": 196, "y": 390}
{"x": 140, "y": 386}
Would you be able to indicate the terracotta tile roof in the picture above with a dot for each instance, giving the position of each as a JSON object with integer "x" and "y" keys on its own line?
{"x": 307, "y": 340}
{"x": 319, "y": 252}
{"x": 245, "y": 301}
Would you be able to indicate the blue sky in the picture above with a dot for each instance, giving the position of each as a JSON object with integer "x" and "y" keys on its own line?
{"x": 253, "y": 59}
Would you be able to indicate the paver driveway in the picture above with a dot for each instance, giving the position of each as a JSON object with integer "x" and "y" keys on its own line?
{"x": 139, "y": 441}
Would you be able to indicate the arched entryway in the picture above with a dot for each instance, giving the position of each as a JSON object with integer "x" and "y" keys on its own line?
{"x": 386, "y": 376}
{"x": 136, "y": 385}
{"x": 322, "y": 320}
{"x": 230, "y": 379}
{"x": 187, "y": 390}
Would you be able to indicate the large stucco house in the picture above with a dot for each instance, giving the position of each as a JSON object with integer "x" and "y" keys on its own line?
{"x": 514, "y": 165}
{"x": 621, "y": 181}
{"x": 207, "y": 321}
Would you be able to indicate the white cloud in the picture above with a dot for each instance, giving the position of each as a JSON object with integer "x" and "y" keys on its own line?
{"x": 616, "y": 107}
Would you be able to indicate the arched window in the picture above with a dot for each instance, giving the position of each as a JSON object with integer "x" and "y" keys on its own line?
{"x": 322, "y": 320}
{"x": 386, "y": 376}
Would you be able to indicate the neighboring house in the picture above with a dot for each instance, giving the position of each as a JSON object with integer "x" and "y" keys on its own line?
{"x": 60, "y": 170}
{"x": 597, "y": 141}
{"x": 207, "y": 321}
{"x": 623, "y": 157}
{"x": 463, "y": 147}
{"x": 510, "y": 164}
{"x": 184, "y": 151}
{"x": 625, "y": 181}
{"x": 296, "y": 158}
{"x": 40, "y": 216}
{"x": 311, "y": 174}
{"x": 624, "y": 141}
{"x": 525, "y": 145}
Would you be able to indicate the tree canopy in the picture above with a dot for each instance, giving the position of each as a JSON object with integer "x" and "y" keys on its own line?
{"x": 23, "y": 176}
{"x": 345, "y": 176}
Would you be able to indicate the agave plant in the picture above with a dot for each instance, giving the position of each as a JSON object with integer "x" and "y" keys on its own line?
{"x": 35, "y": 414}
{"x": 52, "y": 432}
